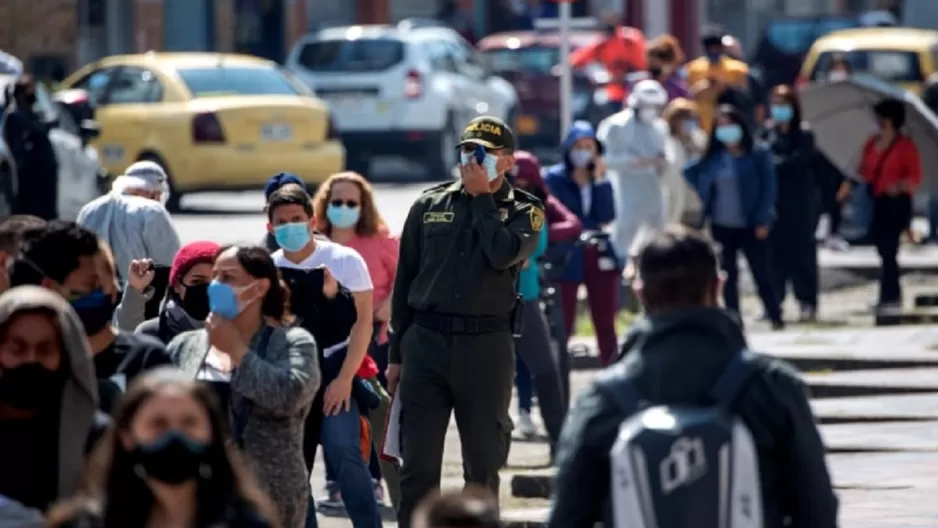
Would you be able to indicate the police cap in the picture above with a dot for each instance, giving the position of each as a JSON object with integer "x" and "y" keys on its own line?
{"x": 490, "y": 132}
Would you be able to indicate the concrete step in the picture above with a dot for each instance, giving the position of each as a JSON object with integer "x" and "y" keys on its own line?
{"x": 926, "y": 301}
{"x": 807, "y": 356}
{"x": 875, "y": 447}
{"x": 877, "y": 409}
{"x": 872, "y": 382}
{"x": 917, "y": 316}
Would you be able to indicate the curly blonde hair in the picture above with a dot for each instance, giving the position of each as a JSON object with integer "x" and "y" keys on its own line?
{"x": 370, "y": 222}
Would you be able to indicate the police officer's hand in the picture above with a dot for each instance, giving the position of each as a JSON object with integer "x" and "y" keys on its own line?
{"x": 394, "y": 377}
{"x": 140, "y": 274}
{"x": 762, "y": 232}
{"x": 330, "y": 286}
{"x": 474, "y": 178}
{"x": 338, "y": 396}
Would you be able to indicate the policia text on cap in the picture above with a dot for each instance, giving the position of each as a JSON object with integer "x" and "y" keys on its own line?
{"x": 462, "y": 247}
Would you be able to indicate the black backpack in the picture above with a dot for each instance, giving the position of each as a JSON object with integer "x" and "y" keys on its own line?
{"x": 686, "y": 466}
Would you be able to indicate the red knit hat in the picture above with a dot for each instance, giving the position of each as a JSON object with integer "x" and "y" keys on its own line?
{"x": 189, "y": 255}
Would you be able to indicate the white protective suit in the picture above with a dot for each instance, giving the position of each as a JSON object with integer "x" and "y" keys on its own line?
{"x": 639, "y": 190}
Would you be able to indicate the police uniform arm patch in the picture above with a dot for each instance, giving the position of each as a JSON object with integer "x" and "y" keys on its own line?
{"x": 536, "y": 217}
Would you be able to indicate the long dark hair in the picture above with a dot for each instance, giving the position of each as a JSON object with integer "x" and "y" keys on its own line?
{"x": 112, "y": 489}
{"x": 715, "y": 146}
{"x": 257, "y": 262}
{"x": 789, "y": 96}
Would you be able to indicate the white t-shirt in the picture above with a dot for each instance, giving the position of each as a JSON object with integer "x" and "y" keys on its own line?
{"x": 344, "y": 263}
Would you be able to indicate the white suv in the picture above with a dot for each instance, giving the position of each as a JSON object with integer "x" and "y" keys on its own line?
{"x": 405, "y": 90}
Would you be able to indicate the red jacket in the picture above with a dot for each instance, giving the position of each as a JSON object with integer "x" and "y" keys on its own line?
{"x": 883, "y": 169}
{"x": 562, "y": 225}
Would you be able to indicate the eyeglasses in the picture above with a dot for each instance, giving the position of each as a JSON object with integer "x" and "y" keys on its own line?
{"x": 351, "y": 204}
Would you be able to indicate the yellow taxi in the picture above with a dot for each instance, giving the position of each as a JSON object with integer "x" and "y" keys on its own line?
{"x": 213, "y": 121}
{"x": 899, "y": 55}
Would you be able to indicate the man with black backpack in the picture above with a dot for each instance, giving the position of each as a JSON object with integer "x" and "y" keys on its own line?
{"x": 688, "y": 429}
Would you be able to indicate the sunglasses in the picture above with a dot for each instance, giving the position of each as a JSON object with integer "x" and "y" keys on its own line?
{"x": 351, "y": 204}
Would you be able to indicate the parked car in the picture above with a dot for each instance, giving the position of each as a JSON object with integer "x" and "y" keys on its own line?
{"x": 785, "y": 42}
{"x": 405, "y": 90}
{"x": 902, "y": 56}
{"x": 213, "y": 121}
{"x": 527, "y": 59}
{"x": 78, "y": 168}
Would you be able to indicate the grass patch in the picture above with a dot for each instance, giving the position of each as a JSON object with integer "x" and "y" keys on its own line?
{"x": 583, "y": 326}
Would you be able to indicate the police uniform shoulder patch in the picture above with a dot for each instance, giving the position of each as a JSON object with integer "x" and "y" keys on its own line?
{"x": 536, "y": 215}
{"x": 437, "y": 188}
{"x": 526, "y": 197}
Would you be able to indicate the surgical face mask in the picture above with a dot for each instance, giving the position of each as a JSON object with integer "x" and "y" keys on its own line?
{"x": 689, "y": 126}
{"x": 488, "y": 163}
{"x": 292, "y": 237}
{"x": 581, "y": 158}
{"x": 224, "y": 299}
{"x": 95, "y": 309}
{"x": 31, "y": 386}
{"x": 782, "y": 113}
{"x": 647, "y": 114}
{"x": 173, "y": 458}
{"x": 343, "y": 216}
{"x": 837, "y": 75}
{"x": 729, "y": 134}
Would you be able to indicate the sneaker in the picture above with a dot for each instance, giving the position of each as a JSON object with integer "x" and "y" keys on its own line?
{"x": 889, "y": 308}
{"x": 836, "y": 243}
{"x": 333, "y": 500}
{"x": 525, "y": 425}
{"x": 379, "y": 491}
{"x": 808, "y": 314}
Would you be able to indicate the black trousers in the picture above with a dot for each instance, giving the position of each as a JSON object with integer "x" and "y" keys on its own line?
{"x": 892, "y": 215}
{"x": 732, "y": 241}
{"x": 794, "y": 256}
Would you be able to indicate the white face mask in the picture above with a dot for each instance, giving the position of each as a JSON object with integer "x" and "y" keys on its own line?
{"x": 581, "y": 157}
{"x": 647, "y": 114}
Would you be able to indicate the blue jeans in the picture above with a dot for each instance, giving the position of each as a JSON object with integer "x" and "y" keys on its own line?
{"x": 373, "y": 467}
{"x": 524, "y": 384}
{"x": 341, "y": 446}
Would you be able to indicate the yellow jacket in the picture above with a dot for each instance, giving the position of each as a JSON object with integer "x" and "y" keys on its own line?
{"x": 727, "y": 70}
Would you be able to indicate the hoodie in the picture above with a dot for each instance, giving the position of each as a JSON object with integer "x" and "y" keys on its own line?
{"x": 592, "y": 204}
{"x": 77, "y": 421}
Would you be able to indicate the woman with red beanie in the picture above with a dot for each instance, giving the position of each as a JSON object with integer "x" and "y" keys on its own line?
{"x": 185, "y": 306}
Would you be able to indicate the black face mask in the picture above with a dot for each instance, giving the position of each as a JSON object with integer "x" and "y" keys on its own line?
{"x": 655, "y": 71}
{"x": 195, "y": 302}
{"x": 31, "y": 386}
{"x": 29, "y": 99}
{"x": 95, "y": 310}
{"x": 172, "y": 458}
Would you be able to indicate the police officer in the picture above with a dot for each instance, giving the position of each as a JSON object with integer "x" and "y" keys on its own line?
{"x": 27, "y": 134}
{"x": 453, "y": 314}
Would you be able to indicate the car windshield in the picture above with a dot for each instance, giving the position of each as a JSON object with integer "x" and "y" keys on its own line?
{"x": 234, "y": 80}
{"x": 359, "y": 55}
{"x": 796, "y": 36}
{"x": 526, "y": 60}
{"x": 890, "y": 65}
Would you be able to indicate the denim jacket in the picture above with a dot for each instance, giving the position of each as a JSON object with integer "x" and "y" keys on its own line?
{"x": 757, "y": 184}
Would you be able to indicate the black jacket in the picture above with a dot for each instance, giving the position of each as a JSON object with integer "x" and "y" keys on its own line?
{"x": 676, "y": 357}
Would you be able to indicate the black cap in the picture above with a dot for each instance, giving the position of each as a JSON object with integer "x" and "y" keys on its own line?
{"x": 490, "y": 132}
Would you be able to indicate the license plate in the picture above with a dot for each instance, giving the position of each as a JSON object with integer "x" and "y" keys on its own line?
{"x": 526, "y": 125}
{"x": 276, "y": 132}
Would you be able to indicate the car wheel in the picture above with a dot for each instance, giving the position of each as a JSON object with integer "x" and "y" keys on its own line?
{"x": 441, "y": 164}
{"x": 7, "y": 189}
{"x": 172, "y": 204}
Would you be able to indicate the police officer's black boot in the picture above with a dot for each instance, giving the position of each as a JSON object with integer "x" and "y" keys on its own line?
{"x": 552, "y": 404}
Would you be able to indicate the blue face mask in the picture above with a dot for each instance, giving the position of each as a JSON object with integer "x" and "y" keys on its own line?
{"x": 689, "y": 126}
{"x": 342, "y": 216}
{"x": 223, "y": 299}
{"x": 782, "y": 113}
{"x": 292, "y": 237}
{"x": 488, "y": 163}
{"x": 729, "y": 134}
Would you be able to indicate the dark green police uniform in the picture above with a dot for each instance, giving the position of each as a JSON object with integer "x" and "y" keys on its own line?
{"x": 451, "y": 323}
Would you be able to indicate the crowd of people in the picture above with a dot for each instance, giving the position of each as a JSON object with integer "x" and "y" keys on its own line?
{"x": 148, "y": 382}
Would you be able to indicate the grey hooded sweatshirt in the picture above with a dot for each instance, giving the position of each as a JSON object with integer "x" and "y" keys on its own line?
{"x": 78, "y": 422}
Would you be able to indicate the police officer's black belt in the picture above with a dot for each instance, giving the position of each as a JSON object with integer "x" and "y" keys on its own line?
{"x": 457, "y": 324}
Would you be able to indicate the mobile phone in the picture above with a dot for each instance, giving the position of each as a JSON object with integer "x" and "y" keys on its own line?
{"x": 480, "y": 154}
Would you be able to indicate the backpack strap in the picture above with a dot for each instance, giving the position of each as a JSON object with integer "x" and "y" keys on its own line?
{"x": 614, "y": 385}
{"x": 737, "y": 374}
